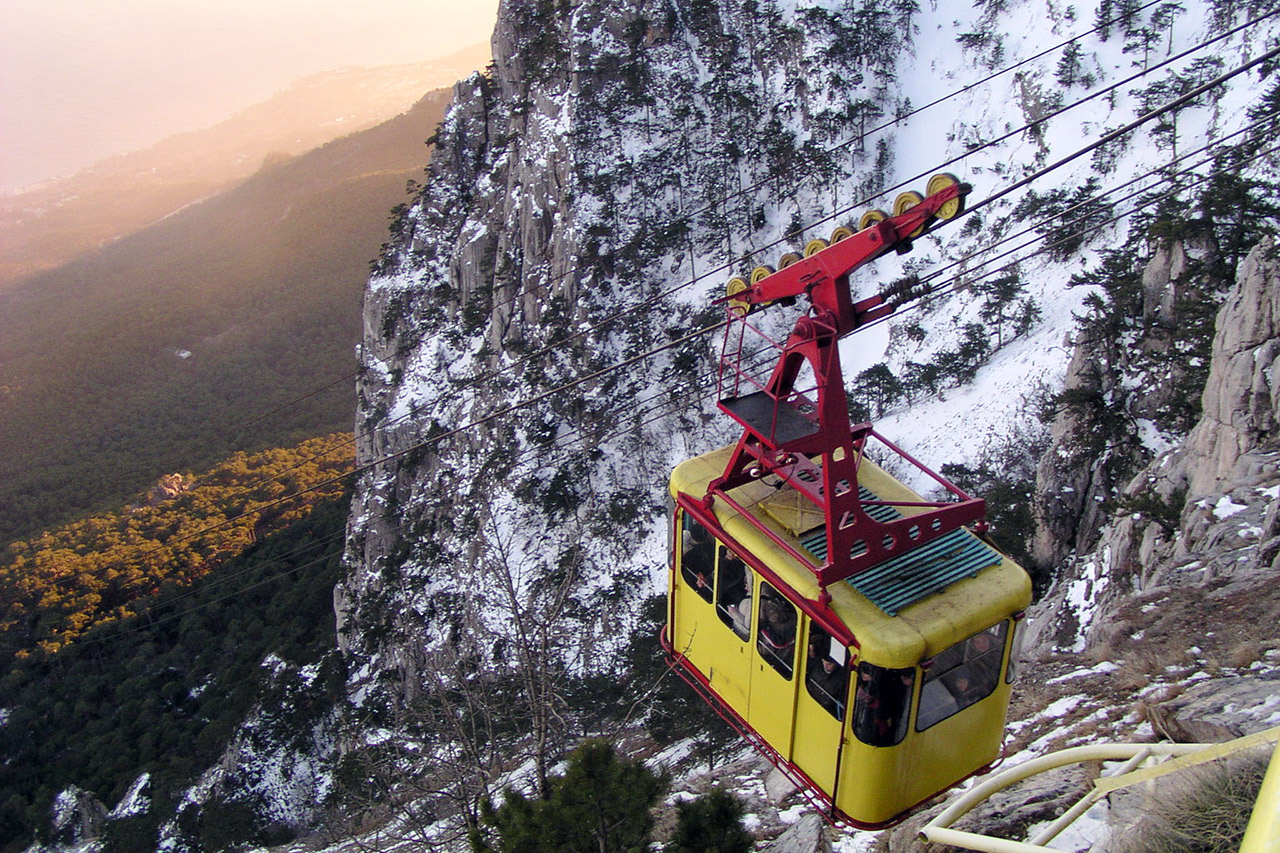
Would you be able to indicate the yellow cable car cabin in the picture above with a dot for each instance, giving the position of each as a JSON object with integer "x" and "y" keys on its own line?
{"x": 880, "y": 699}
{"x": 858, "y": 633}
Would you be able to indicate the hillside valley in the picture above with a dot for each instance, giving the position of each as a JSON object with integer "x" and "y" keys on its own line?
{"x": 161, "y": 351}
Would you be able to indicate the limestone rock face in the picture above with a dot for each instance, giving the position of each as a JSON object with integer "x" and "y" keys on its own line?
{"x": 1207, "y": 510}
{"x": 1217, "y": 710}
{"x": 77, "y": 817}
{"x": 1138, "y": 372}
{"x": 806, "y": 835}
{"x": 1240, "y": 405}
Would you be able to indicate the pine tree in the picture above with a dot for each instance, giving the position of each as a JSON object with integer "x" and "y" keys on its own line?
{"x": 600, "y": 804}
{"x": 879, "y": 388}
{"x": 710, "y": 824}
{"x": 1069, "y": 72}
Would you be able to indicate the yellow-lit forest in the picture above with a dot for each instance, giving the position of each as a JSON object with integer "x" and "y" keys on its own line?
{"x": 60, "y": 584}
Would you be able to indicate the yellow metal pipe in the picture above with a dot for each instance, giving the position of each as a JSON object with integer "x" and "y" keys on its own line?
{"x": 1266, "y": 814}
{"x": 1263, "y": 833}
{"x": 1074, "y": 755}
{"x": 1085, "y": 803}
{"x": 981, "y": 843}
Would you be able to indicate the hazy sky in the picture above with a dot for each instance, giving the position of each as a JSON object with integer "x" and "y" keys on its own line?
{"x": 85, "y": 79}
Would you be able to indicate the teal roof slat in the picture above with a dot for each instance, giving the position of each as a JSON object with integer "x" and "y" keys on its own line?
{"x": 914, "y": 574}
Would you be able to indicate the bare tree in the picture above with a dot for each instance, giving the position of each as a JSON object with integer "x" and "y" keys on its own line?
{"x": 484, "y": 697}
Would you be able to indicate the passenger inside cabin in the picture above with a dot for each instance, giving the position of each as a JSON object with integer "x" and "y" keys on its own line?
{"x": 733, "y": 602}
{"x": 983, "y": 656}
{"x": 776, "y": 638}
{"x": 826, "y": 678}
{"x": 936, "y": 703}
{"x": 882, "y": 704}
{"x": 695, "y": 561}
{"x": 961, "y": 675}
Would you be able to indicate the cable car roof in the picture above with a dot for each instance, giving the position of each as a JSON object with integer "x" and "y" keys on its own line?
{"x": 916, "y": 574}
{"x": 976, "y": 587}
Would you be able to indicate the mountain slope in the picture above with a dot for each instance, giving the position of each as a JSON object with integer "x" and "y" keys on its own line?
{"x": 622, "y": 158}
{"x": 151, "y": 354}
{"x": 531, "y": 366}
{"x": 44, "y": 226}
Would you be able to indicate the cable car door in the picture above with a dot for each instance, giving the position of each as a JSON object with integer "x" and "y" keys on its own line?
{"x": 821, "y": 707}
{"x": 730, "y": 652}
{"x": 773, "y": 694}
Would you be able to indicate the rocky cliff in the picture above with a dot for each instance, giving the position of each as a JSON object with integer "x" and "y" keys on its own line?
{"x": 1164, "y": 626}
{"x": 1201, "y": 513}
{"x": 517, "y": 375}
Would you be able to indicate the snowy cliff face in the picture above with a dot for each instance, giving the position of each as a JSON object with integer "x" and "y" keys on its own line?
{"x": 591, "y": 195}
{"x": 571, "y": 194}
{"x": 1200, "y": 520}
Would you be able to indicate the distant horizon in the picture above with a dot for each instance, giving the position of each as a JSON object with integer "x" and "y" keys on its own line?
{"x": 81, "y": 82}
{"x": 10, "y": 191}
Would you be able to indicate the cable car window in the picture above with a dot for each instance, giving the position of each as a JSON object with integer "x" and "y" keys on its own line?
{"x": 826, "y": 674}
{"x": 776, "y": 634}
{"x": 733, "y": 593}
{"x": 962, "y": 675}
{"x": 882, "y": 704}
{"x": 696, "y": 552}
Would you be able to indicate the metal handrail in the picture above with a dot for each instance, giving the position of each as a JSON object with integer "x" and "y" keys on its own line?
{"x": 1266, "y": 811}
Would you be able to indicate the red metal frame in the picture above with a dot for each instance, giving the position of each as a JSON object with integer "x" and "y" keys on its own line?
{"x": 784, "y": 428}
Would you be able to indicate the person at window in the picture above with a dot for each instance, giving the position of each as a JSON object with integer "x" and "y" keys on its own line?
{"x": 963, "y": 688}
{"x": 882, "y": 702}
{"x": 829, "y": 682}
{"x": 777, "y": 627}
{"x": 983, "y": 656}
{"x": 740, "y": 613}
{"x": 696, "y": 562}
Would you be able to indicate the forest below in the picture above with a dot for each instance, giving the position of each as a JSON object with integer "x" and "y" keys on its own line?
{"x": 134, "y": 640}
{"x": 61, "y": 584}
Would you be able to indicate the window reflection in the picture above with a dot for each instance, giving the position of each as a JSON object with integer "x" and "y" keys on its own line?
{"x": 961, "y": 675}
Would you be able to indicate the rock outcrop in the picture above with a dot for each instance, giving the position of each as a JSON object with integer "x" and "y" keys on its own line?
{"x": 1142, "y": 354}
{"x": 1200, "y": 523}
{"x": 78, "y": 817}
{"x": 1230, "y": 445}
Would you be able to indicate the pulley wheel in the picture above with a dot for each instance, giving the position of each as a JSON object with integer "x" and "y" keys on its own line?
{"x": 760, "y": 273}
{"x": 737, "y": 307}
{"x": 871, "y": 217}
{"x": 904, "y": 202}
{"x": 841, "y": 233}
{"x": 950, "y": 209}
{"x": 788, "y": 259}
{"x": 814, "y": 246}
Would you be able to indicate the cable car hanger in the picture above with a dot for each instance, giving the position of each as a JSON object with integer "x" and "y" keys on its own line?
{"x": 785, "y": 428}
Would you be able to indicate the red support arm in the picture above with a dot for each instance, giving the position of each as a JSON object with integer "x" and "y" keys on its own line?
{"x": 784, "y": 429}
{"x": 824, "y": 276}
